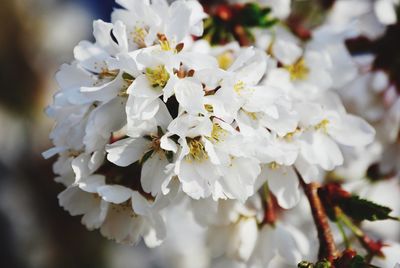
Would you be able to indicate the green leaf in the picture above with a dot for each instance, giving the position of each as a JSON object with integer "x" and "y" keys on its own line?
{"x": 254, "y": 15}
{"x": 361, "y": 209}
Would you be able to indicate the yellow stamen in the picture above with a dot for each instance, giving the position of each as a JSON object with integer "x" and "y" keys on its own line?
{"x": 225, "y": 60}
{"x": 252, "y": 115}
{"x": 238, "y": 87}
{"x": 298, "y": 70}
{"x": 158, "y": 76}
{"x": 197, "y": 152}
{"x": 273, "y": 165}
{"x": 218, "y": 133}
{"x": 289, "y": 136}
{"x": 209, "y": 108}
{"x": 139, "y": 34}
{"x": 322, "y": 125}
{"x": 164, "y": 43}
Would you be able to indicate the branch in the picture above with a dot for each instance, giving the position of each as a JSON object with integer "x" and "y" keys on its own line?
{"x": 327, "y": 247}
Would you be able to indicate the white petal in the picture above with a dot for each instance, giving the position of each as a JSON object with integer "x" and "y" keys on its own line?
{"x": 91, "y": 183}
{"x": 385, "y": 11}
{"x": 118, "y": 224}
{"x": 153, "y": 174}
{"x": 96, "y": 160}
{"x": 352, "y": 131}
{"x": 189, "y": 94}
{"x": 142, "y": 88}
{"x": 116, "y": 194}
{"x": 322, "y": 150}
{"x": 244, "y": 239}
{"x": 287, "y": 246}
{"x": 127, "y": 151}
{"x": 287, "y": 52}
{"x": 253, "y": 72}
{"x": 76, "y": 201}
{"x": 90, "y": 56}
{"x": 283, "y": 182}
{"x": 140, "y": 205}
{"x": 266, "y": 246}
{"x": 308, "y": 172}
{"x": 193, "y": 184}
{"x": 110, "y": 117}
{"x": 151, "y": 239}
{"x": 80, "y": 165}
{"x": 198, "y": 61}
{"x": 53, "y": 151}
{"x": 94, "y": 218}
{"x": 178, "y": 26}
{"x": 104, "y": 92}
{"x": 168, "y": 144}
{"x": 239, "y": 178}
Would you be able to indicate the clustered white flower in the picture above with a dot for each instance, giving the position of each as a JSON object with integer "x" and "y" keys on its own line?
{"x": 148, "y": 116}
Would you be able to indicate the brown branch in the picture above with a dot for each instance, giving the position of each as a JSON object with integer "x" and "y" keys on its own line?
{"x": 327, "y": 247}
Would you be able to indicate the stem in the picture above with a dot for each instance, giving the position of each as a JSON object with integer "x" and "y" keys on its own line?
{"x": 269, "y": 214}
{"x": 354, "y": 229}
{"x": 343, "y": 233}
{"x": 327, "y": 247}
{"x": 373, "y": 248}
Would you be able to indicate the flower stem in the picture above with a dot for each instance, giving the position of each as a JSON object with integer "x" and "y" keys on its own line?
{"x": 327, "y": 247}
{"x": 343, "y": 233}
{"x": 373, "y": 247}
{"x": 269, "y": 213}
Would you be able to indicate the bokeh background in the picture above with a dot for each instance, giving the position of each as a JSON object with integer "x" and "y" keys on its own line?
{"x": 36, "y": 36}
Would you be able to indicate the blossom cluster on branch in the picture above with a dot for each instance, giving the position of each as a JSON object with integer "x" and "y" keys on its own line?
{"x": 226, "y": 114}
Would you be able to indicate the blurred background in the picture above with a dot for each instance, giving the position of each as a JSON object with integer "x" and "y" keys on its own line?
{"x": 36, "y": 36}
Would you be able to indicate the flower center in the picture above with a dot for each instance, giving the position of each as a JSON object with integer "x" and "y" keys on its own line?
{"x": 209, "y": 108}
{"x": 298, "y": 70}
{"x": 218, "y": 133}
{"x": 164, "y": 42}
{"x": 322, "y": 125}
{"x": 139, "y": 34}
{"x": 273, "y": 165}
{"x": 158, "y": 76}
{"x": 110, "y": 74}
{"x": 238, "y": 87}
{"x": 225, "y": 60}
{"x": 197, "y": 152}
{"x": 155, "y": 144}
{"x": 252, "y": 115}
{"x": 289, "y": 136}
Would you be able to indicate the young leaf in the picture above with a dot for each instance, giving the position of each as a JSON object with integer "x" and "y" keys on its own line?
{"x": 361, "y": 209}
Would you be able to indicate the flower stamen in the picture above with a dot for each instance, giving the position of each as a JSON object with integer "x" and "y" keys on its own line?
{"x": 197, "y": 151}
{"x": 158, "y": 76}
{"x": 298, "y": 70}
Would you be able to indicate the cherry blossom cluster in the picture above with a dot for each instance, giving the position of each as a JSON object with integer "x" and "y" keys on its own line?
{"x": 151, "y": 116}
